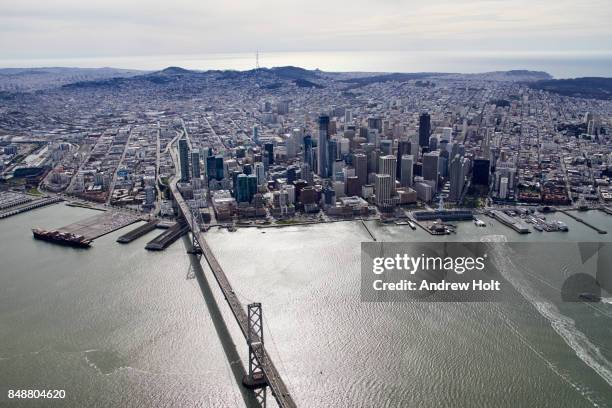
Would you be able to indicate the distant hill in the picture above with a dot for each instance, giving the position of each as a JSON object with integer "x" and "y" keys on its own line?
{"x": 588, "y": 87}
{"x": 34, "y": 79}
{"x": 175, "y": 71}
{"x": 517, "y": 75}
{"x": 400, "y": 77}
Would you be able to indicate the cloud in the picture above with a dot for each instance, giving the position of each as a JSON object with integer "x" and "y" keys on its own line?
{"x": 69, "y": 28}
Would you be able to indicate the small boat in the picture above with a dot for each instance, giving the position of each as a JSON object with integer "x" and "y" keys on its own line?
{"x": 411, "y": 225}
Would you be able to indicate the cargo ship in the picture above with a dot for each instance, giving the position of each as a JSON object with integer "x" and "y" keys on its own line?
{"x": 62, "y": 238}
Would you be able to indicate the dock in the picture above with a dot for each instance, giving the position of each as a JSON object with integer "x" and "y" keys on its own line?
{"x": 138, "y": 232}
{"x": 100, "y": 224}
{"x": 367, "y": 229}
{"x": 511, "y": 222}
{"x": 607, "y": 210}
{"x": 167, "y": 237}
{"x": 580, "y": 220}
{"x": 27, "y": 206}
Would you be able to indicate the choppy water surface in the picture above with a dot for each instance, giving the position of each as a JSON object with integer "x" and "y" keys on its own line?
{"x": 118, "y": 325}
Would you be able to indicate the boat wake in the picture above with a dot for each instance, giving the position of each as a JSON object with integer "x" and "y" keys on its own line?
{"x": 564, "y": 326}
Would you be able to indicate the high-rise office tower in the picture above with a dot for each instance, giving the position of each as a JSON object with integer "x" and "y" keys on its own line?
{"x": 375, "y": 123}
{"x": 211, "y": 171}
{"x": 293, "y": 173}
{"x": 457, "y": 178}
{"x": 433, "y": 143}
{"x": 403, "y": 147}
{"x": 255, "y": 134}
{"x": 332, "y": 155}
{"x": 360, "y": 162}
{"x": 260, "y": 173}
{"x": 306, "y": 172}
{"x": 406, "y": 167}
{"x": 382, "y": 187}
{"x": 348, "y": 116}
{"x": 386, "y": 147}
{"x": 503, "y": 188}
{"x": 322, "y": 154}
{"x": 184, "y": 159}
{"x": 480, "y": 172}
{"x": 424, "y": 129}
{"x": 219, "y": 167}
{"x": 269, "y": 152}
{"x": 430, "y": 169}
{"x": 252, "y": 186}
{"x": 195, "y": 163}
{"x": 388, "y": 165}
{"x": 293, "y": 142}
{"x": 241, "y": 188}
{"x": 308, "y": 150}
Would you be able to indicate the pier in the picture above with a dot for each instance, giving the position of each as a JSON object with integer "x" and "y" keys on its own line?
{"x": 138, "y": 232}
{"x": 30, "y": 205}
{"x": 262, "y": 371}
{"x": 607, "y": 210}
{"x": 580, "y": 220}
{"x": 367, "y": 229}
{"x": 100, "y": 224}
{"x": 511, "y": 222}
{"x": 167, "y": 237}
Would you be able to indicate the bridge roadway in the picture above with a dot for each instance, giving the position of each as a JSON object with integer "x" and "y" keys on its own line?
{"x": 273, "y": 378}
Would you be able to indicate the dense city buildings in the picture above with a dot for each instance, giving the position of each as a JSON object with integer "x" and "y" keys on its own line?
{"x": 257, "y": 146}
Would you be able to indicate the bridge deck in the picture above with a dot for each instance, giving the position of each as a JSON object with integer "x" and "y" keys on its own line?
{"x": 274, "y": 380}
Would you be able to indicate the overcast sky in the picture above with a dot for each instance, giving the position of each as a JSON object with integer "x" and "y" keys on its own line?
{"x": 89, "y": 28}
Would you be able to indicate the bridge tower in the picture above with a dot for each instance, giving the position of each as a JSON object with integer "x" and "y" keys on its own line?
{"x": 256, "y": 378}
{"x": 196, "y": 249}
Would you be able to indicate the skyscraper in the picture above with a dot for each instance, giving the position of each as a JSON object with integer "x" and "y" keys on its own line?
{"x": 184, "y": 160}
{"x": 457, "y": 178}
{"x": 403, "y": 147}
{"x": 424, "y": 129}
{"x": 406, "y": 167}
{"x": 430, "y": 167}
{"x": 388, "y": 165}
{"x": 322, "y": 153}
{"x": 260, "y": 173}
{"x": 382, "y": 186}
{"x": 211, "y": 171}
{"x": 269, "y": 152}
{"x": 195, "y": 163}
{"x": 360, "y": 162}
{"x": 219, "y": 167}
{"x": 308, "y": 150}
{"x": 386, "y": 147}
{"x": 255, "y": 134}
{"x": 480, "y": 172}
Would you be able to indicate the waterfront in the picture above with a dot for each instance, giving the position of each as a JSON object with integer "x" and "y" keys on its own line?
{"x": 122, "y": 326}
{"x": 114, "y": 325}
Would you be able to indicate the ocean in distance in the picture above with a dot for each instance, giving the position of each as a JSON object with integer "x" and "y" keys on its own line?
{"x": 559, "y": 65}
